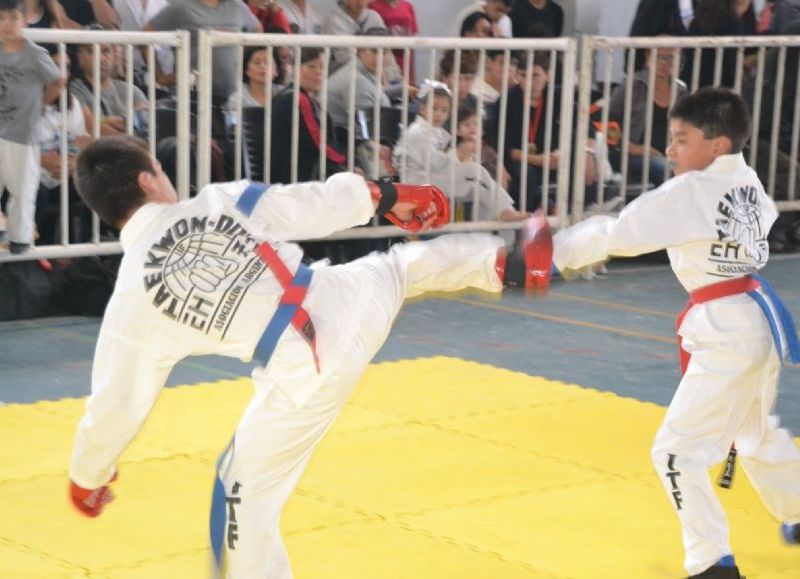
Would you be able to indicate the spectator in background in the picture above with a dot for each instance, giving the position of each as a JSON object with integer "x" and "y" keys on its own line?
{"x": 534, "y": 150}
{"x": 302, "y": 17}
{"x": 82, "y": 13}
{"x": 349, "y": 18}
{"x": 660, "y": 17}
{"x": 42, "y": 14}
{"x": 426, "y": 144}
{"x": 195, "y": 15}
{"x": 494, "y": 202}
{"x": 270, "y": 15}
{"x": 462, "y": 80}
{"x": 784, "y": 12}
{"x": 113, "y": 91}
{"x": 498, "y": 11}
{"x": 366, "y": 95}
{"x": 29, "y": 76}
{"x": 256, "y": 84}
{"x": 400, "y": 20}
{"x": 714, "y": 18}
{"x": 76, "y": 119}
{"x": 133, "y": 16}
{"x": 662, "y": 92}
{"x": 309, "y": 141}
{"x": 487, "y": 89}
{"x": 476, "y": 25}
{"x": 526, "y": 13}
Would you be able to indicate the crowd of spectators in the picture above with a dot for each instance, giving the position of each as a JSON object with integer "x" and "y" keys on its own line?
{"x": 452, "y": 148}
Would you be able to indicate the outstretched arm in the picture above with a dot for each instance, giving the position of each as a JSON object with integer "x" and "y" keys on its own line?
{"x": 127, "y": 378}
{"x": 658, "y": 219}
{"x": 316, "y": 209}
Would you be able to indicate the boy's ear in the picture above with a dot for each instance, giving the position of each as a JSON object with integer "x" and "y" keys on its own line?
{"x": 146, "y": 182}
{"x": 722, "y": 146}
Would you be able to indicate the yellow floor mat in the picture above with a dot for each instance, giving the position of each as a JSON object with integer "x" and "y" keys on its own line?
{"x": 438, "y": 468}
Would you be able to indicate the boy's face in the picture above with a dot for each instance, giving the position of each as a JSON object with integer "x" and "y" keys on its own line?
{"x": 11, "y": 24}
{"x": 690, "y": 150}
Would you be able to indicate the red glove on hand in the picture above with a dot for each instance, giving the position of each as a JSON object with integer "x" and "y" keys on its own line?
{"x": 431, "y": 205}
{"x": 91, "y": 502}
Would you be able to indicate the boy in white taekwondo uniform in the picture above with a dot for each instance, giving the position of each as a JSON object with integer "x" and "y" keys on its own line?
{"x": 713, "y": 218}
{"x": 209, "y": 274}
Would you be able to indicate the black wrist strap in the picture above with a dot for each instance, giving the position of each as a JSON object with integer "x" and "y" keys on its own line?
{"x": 388, "y": 197}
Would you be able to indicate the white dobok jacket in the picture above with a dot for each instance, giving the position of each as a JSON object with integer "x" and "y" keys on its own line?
{"x": 191, "y": 284}
{"x": 714, "y": 225}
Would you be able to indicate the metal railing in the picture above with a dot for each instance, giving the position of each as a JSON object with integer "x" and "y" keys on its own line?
{"x": 606, "y": 53}
{"x": 561, "y": 53}
{"x": 772, "y": 152}
{"x": 128, "y": 42}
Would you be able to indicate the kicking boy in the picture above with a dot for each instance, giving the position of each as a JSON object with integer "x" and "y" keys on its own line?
{"x": 215, "y": 274}
{"x": 713, "y": 218}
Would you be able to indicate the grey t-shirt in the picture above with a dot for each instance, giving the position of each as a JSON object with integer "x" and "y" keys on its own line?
{"x": 192, "y": 15}
{"x": 23, "y": 75}
{"x": 113, "y": 100}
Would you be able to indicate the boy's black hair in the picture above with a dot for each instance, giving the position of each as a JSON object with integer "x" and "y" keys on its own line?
{"x": 717, "y": 112}
{"x": 11, "y": 5}
{"x": 107, "y": 176}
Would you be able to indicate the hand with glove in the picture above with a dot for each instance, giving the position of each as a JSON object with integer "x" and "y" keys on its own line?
{"x": 90, "y": 502}
{"x": 415, "y": 208}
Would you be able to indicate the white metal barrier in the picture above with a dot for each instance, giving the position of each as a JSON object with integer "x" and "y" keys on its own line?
{"x": 775, "y": 60}
{"x": 561, "y": 53}
{"x": 771, "y": 66}
{"x": 128, "y": 41}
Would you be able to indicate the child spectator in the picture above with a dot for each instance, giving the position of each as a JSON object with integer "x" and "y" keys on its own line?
{"x": 78, "y": 118}
{"x": 425, "y": 145}
{"x": 25, "y": 69}
{"x": 463, "y": 79}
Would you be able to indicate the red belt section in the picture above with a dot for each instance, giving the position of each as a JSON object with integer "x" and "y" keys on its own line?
{"x": 293, "y": 295}
{"x": 705, "y": 294}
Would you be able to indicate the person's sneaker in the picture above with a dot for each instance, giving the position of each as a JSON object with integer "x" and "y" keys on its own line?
{"x": 530, "y": 263}
{"x": 725, "y": 568}
{"x": 791, "y": 533}
{"x": 19, "y": 248}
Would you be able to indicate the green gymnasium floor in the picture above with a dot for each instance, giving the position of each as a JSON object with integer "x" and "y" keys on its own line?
{"x": 493, "y": 438}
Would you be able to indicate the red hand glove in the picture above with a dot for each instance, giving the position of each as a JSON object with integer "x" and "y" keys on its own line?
{"x": 431, "y": 204}
{"x": 91, "y": 502}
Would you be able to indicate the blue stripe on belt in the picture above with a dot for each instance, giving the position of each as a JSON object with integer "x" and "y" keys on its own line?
{"x": 784, "y": 317}
{"x": 281, "y": 319}
{"x": 248, "y": 199}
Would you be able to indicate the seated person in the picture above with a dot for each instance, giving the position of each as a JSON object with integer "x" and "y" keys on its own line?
{"x": 533, "y": 152}
{"x": 366, "y": 95}
{"x": 256, "y": 63}
{"x": 462, "y": 80}
{"x": 426, "y": 141}
{"x": 349, "y": 18}
{"x": 48, "y": 135}
{"x": 662, "y": 92}
{"x": 113, "y": 91}
{"x": 311, "y": 76}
